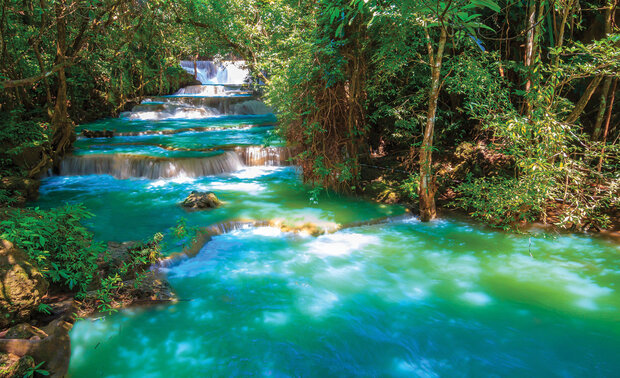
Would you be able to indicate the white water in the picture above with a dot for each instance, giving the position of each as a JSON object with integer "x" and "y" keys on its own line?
{"x": 218, "y": 72}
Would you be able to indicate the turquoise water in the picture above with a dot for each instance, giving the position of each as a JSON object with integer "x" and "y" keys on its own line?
{"x": 402, "y": 298}
{"x": 126, "y": 125}
{"x": 184, "y": 142}
{"x": 137, "y": 208}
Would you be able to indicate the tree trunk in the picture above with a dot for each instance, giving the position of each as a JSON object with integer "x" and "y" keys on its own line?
{"x": 64, "y": 134}
{"x": 598, "y": 122}
{"x": 611, "y": 108}
{"x": 530, "y": 41}
{"x": 427, "y": 182}
{"x": 583, "y": 101}
{"x": 560, "y": 38}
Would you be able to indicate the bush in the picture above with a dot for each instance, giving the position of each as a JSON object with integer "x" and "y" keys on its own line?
{"x": 411, "y": 187}
{"x": 502, "y": 201}
{"x": 57, "y": 241}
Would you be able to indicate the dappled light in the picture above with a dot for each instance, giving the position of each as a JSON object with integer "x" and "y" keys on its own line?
{"x": 287, "y": 188}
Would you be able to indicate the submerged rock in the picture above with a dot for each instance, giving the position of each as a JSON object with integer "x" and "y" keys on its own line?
{"x": 98, "y": 133}
{"x": 21, "y": 285}
{"x": 201, "y": 200}
{"x": 307, "y": 228}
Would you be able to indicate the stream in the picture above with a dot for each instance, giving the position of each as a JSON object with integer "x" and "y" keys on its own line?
{"x": 395, "y": 298}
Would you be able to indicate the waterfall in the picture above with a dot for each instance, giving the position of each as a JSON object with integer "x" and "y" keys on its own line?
{"x": 223, "y": 72}
{"x": 272, "y": 156}
{"x": 212, "y": 91}
{"x": 194, "y": 107}
{"x": 124, "y": 166}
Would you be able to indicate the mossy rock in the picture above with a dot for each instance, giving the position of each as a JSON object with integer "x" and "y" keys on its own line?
{"x": 201, "y": 200}
{"x": 22, "y": 286}
{"x": 24, "y": 331}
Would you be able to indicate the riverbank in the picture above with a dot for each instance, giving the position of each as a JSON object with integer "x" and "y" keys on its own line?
{"x": 39, "y": 332}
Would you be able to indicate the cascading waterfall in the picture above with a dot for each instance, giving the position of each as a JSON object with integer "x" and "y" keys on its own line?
{"x": 218, "y": 73}
{"x": 224, "y": 92}
{"x": 221, "y": 95}
{"x": 124, "y": 166}
{"x": 128, "y": 166}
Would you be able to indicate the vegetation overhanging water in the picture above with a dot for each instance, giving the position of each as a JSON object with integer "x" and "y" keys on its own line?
{"x": 506, "y": 110}
{"x": 401, "y": 298}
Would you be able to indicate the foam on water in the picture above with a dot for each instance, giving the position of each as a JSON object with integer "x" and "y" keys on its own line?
{"x": 340, "y": 244}
{"x": 383, "y": 308}
{"x": 398, "y": 298}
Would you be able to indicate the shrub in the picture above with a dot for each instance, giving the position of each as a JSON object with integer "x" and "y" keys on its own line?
{"x": 502, "y": 201}
{"x": 57, "y": 241}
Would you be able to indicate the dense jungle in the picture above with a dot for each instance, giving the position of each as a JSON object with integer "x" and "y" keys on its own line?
{"x": 309, "y": 188}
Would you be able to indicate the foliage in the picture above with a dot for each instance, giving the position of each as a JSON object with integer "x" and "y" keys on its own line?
{"x": 58, "y": 242}
{"x": 105, "y": 293}
{"x": 36, "y": 370}
{"x": 16, "y": 136}
{"x": 410, "y": 187}
{"x": 504, "y": 201}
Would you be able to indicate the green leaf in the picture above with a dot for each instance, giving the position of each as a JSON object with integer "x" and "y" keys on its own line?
{"x": 487, "y": 4}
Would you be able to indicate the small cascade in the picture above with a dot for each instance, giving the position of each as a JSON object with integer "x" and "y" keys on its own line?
{"x": 271, "y": 156}
{"x": 124, "y": 166}
{"x": 194, "y": 107}
{"x": 85, "y": 133}
{"x": 218, "y": 72}
{"x": 213, "y": 91}
{"x": 204, "y": 235}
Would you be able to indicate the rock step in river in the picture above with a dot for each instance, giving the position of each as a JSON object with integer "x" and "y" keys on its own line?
{"x": 396, "y": 298}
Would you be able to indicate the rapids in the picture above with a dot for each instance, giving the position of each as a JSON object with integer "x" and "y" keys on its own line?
{"x": 389, "y": 298}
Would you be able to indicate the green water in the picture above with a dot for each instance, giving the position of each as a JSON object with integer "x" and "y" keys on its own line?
{"x": 404, "y": 299}
{"x": 126, "y": 125}
{"x": 137, "y": 208}
{"x": 447, "y": 298}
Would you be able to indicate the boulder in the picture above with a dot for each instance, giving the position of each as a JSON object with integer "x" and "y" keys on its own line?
{"x": 55, "y": 349}
{"x": 21, "y": 285}
{"x": 12, "y": 365}
{"x": 152, "y": 287}
{"x": 201, "y": 200}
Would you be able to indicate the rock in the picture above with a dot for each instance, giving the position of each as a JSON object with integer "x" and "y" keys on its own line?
{"x": 116, "y": 255}
{"x": 98, "y": 133}
{"x": 24, "y": 331}
{"x": 201, "y": 200}
{"x": 21, "y": 285}
{"x": 55, "y": 349}
{"x": 307, "y": 228}
{"x": 12, "y": 365}
{"x": 152, "y": 287}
